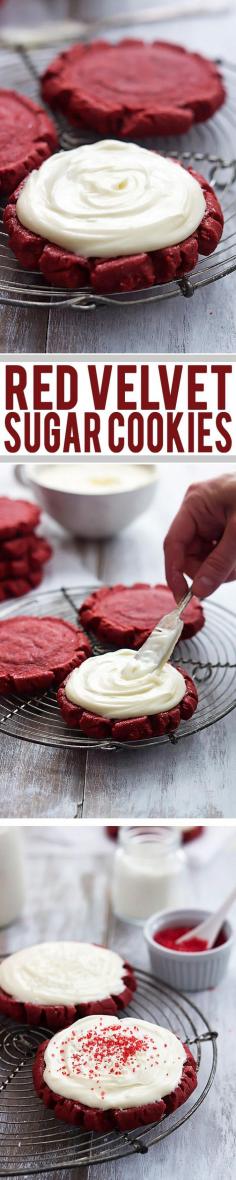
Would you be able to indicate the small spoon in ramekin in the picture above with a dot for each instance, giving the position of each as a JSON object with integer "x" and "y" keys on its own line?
{"x": 210, "y": 928}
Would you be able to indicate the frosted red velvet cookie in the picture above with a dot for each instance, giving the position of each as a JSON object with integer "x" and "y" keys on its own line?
{"x": 133, "y": 88}
{"x": 55, "y": 983}
{"x": 27, "y": 137}
{"x": 103, "y": 1073}
{"x": 112, "y": 216}
{"x": 127, "y": 614}
{"x": 36, "y": 653}
{"x": 122, "y": 699}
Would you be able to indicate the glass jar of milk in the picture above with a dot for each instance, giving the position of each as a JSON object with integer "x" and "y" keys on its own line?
{"x": 12, "y": 877}
{"x": 149, "y": 872}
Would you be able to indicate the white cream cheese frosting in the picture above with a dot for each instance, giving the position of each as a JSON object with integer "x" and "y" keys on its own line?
{"x": 106, "y": 1063}
{"x": 62, "y": 973}
{"x": 110, "y": 199}
{"x": 120, "y": 685}
{"x": 94, "y": 478}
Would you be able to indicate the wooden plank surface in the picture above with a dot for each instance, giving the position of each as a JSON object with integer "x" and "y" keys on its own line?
{"x": 194, "y": 778}
{"x": 179, "y": 325}
{"x": 68, "y": 873}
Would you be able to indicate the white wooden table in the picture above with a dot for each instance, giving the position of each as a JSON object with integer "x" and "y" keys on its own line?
{"x": 194, "y": 778}
{"x": 67, "y": 874}
{"x": 195, "y": 325}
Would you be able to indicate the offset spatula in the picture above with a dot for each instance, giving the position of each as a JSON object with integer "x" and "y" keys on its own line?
{"x": 158, "y": 648}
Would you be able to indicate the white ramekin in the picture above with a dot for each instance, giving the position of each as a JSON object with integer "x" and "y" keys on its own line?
{"x": 187, "y": 970}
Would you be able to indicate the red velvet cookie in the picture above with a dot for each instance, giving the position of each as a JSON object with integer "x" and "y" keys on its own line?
{"x": 27, "y": 137}
{"x": 133, "y": 88}
{"x": 58, "y": 1015}
{"x": 95, "y": 1119}
{"x": 125, "y": 615}
{"x": 14, "y": 569}
{"x": 32, "y": 560}
{"x": 36, "y": 653}
{"x": 17, "y": 516}
{"x": 132, "y": 729}
{"x": 13, "y": 587}
{"x": 104, "y": 276}
{"x": 30, "y": 547}
{"x": 22, "y": 559}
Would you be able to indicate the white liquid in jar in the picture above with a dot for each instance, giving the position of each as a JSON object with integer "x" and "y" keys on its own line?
{"x": 145, "y": 880}
{"x": 94, "y": 478}
{"x": 12, "y": 884}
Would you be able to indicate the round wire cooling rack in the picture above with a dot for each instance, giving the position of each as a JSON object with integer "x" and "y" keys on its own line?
{"x": 32, "y": 1141}
{"x": 210, "y": 658}
{"x": 209, "y": 147}
{"x": 26, "y": 287}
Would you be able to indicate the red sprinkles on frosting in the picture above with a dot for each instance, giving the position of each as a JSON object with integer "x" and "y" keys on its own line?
{"x": 113, "y": 1048}
{"x": 104, "y": 1046}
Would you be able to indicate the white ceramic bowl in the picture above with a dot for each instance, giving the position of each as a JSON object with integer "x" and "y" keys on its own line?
{"x": 89, "y": 515}
{"x": 187, "y": 970}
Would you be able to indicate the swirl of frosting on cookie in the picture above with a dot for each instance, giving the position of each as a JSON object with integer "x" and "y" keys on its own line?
{"x": 120, "y": 685}
{"x": 106, "y": 1063}
{"x": 110, "y": 199}
{"x": 62, "y": 973}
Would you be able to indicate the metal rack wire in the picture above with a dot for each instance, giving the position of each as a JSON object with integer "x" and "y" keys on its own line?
{"x": 32, "y": 1141}
{"x": 209, "y": 147}
{"x": 210, "y": 657}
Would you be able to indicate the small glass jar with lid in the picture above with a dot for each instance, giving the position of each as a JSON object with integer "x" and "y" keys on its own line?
{"x": 149, "y": 872}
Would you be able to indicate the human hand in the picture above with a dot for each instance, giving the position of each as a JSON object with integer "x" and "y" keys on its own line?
{"x": 201, "y": 541}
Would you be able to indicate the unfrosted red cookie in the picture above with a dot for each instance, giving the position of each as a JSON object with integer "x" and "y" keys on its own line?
{"x": 22, "y": 559}
{"x": 28, "y": 547}
{"x": 17, "y": 516}
{"x": 57, "y": 1016}
{"x": 31, "y": 561}
{"x": 136, "y": 271}
{"x": 18, "y": 587}
{"x": 17, "y": 569}
{"x": 36, "y": 653}
{"x": 125, "y": 615}
{"x": 131, "y": 729}
{"x": 27, "y": 137}
{"x": 133, "y": 88}
{"x": 93, "y": 1119}
{"x": 17, "y": 547}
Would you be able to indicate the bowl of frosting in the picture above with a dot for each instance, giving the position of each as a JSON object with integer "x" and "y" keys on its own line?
{"x": 91, "y": 500}
{"x": 190, "y": 966}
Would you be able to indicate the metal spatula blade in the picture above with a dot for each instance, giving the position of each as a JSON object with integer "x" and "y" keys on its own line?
{"x": 159, "y": 646}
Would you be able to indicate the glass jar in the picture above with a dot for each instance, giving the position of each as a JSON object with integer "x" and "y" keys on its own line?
{"x": 12, "y": 885}
{"x": 149, "y": 872}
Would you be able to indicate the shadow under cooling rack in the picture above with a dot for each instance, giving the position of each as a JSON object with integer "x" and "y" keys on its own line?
{"x": 209, "y": 147}
{"x": 32, "y": 1141}
{"x": 210, "y": 658}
